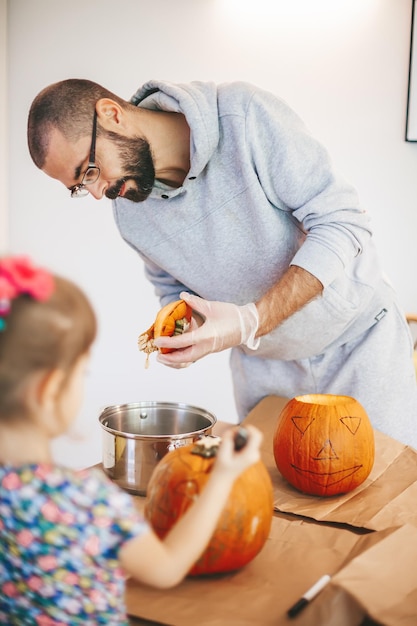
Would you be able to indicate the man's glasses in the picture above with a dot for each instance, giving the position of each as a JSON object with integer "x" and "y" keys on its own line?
{"x": 92, "y": 172}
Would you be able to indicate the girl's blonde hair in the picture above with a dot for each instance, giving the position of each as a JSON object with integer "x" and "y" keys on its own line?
{"x": 42, "y": 336}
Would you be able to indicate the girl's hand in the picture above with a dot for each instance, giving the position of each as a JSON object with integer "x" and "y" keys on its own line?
{"x": 234, "y": 462}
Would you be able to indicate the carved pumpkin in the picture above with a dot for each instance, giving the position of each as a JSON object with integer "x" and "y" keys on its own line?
{"x": 324, "y": 444}
{"x": 246, "y": 520}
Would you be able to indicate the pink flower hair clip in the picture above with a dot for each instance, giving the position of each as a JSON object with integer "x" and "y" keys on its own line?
{"x": 19, "y": 276}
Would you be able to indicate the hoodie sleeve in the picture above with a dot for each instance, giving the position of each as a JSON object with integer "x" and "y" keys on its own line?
{"x": 296, "y": 174}
{"x": 166, "y": 287}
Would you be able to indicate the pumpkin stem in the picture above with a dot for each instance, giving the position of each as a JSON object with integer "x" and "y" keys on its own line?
{"x": 207, "y": 446}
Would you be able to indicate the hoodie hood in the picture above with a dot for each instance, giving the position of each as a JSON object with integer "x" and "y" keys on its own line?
{"x": 198, "y": 102}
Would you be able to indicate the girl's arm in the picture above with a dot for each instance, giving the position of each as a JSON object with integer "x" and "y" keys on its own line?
{"x": 164, "y": 563}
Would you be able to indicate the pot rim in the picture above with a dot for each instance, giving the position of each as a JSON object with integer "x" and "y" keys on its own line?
{"x": 114, "y": 408}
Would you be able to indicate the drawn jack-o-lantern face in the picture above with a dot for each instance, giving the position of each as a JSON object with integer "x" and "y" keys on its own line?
{"x": 324, "y": 444}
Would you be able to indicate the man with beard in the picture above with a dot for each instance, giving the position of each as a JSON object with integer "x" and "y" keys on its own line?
{"x": 241, "y": 207}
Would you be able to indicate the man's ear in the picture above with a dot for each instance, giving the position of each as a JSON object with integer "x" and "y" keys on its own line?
{"x": 110, "y": 114}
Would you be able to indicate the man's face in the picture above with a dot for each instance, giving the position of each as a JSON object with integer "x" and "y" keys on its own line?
{"x": 136, "y": 162}
{"x": 126, "y": 164}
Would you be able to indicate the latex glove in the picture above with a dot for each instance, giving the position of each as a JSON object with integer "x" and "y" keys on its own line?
{"x": 177, "y": 364}
{"x": 225, "y": 325}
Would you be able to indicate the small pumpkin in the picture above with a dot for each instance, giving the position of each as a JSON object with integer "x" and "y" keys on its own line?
{"x": 245, "y": 522}
{"x": 324, "y": 444}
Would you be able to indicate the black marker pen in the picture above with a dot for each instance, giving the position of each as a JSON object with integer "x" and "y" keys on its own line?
{"x": 308, "y": 596}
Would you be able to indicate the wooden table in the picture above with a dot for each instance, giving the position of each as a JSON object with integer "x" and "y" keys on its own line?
{"x": 299, "y": 550}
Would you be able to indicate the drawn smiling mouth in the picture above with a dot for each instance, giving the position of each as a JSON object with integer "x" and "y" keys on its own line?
{"x": 327, "y": 478}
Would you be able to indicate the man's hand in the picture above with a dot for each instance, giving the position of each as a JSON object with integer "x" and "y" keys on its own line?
{"x": 225, "y": 325}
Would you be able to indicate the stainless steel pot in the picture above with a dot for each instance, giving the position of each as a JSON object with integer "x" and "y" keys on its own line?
{"x": 137, "y": 435}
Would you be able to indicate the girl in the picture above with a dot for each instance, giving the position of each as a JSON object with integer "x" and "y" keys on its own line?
{"x": 68, "y": 538}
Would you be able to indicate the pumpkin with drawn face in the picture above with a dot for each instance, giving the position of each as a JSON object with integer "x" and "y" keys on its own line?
{"x": 324, "y": 444}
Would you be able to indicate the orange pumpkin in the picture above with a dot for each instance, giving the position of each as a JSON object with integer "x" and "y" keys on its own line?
{"x": 245, "y": 522}
{"x": 324, "y": 444}
{"x": 173, "y": 319}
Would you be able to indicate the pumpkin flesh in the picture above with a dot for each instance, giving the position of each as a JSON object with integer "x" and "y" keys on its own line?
{"x": 174, "y": 318}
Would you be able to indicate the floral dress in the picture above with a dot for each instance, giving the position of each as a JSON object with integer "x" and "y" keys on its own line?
{"x": 60, "y": 534}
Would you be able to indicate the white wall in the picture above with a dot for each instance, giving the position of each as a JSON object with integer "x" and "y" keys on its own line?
{"x": 342, "y": 64}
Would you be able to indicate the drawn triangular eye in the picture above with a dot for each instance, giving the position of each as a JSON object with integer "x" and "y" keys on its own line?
{"x": 352, "y": 423}
{"x": 302, "y": 423}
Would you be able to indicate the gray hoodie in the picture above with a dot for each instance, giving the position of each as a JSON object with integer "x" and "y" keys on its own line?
{"x": 260, "y": 195}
